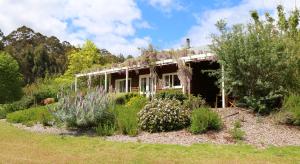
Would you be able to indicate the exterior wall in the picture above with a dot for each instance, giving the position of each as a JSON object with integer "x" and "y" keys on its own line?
{"x": 134, "y": 75}
{"x": 201, "y": 84}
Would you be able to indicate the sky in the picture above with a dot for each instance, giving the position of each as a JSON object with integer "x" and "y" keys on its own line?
{"x": 125, "y": 26}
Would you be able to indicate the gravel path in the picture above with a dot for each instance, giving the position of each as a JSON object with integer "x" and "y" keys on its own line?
{"x": 260, "y": 132}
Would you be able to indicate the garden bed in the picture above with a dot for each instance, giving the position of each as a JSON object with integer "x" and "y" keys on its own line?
{"x": 260, "y": 132}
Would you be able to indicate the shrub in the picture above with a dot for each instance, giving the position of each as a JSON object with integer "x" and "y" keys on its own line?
{"x": 126, "y": 115}
{"x": 32, "y": 116}
{"x": 105, "y": 129}
{"x": 163, "y": 115}
{"x": 194, "y": 102}
{"x": 22, "y": 104}
{"x": 171, "y": 94}
{"x": 237, "y": 124}
{"x": 204, "y": 119}
{"x": 237, "y": 133}
{"x": 290, "y": 113}
{"x": 123, "y": 98}
{"x": 85, "y": 111}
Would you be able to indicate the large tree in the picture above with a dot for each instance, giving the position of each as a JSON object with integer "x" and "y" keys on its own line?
{"x": 260, "y": 59}
{"x": 10, "y": 79}
{"x": 83, "y": 59}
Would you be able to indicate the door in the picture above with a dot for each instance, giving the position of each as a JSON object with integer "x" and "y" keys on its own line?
{"x": 147, "y": 85}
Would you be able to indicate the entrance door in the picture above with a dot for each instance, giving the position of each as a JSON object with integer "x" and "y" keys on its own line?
{"x": 147, "y": 85}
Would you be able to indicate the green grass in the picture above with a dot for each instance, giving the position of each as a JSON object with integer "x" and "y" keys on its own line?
{"x": 19, "y": 146}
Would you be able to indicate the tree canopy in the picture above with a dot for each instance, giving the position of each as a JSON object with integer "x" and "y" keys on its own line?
{"x": 260, "y": 59}
{"x": 10, "y": 79}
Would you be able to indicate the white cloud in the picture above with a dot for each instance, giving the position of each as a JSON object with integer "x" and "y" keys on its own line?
{"x": 111, "y": 24}
{"x": 240, "y": 13}
{"x": 166, "y": 5}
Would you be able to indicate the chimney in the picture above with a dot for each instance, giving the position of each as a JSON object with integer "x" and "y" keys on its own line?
{"x": 188, "y": 43}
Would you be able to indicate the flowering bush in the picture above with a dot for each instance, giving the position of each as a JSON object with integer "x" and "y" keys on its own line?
{"x": 85, "y": 111}
{"x": 163, "y": 115}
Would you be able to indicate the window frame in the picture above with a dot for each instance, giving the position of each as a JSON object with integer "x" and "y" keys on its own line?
{"x": 171, "y": 82}
{"x": 117, "y": 84}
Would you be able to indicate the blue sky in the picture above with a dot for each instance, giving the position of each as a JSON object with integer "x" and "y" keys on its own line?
{"x": 124, "y": 26}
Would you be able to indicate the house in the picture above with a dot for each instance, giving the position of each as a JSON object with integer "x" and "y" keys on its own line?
{"x": 148, "y": 78}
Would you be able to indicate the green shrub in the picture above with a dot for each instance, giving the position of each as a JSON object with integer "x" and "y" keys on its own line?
{"x": 22, "y": 104}
{"x": 237, "y": 133}
{"x": 290, "y": 113}
{"x": 105, "y": 129}
{"x": 32, "y": 116}
{"x": 238, "y": 124}
{"x": 194, "y": 102}
{"x": 204, "y": 119}
{"x": 171, "y": 94}
{"x": 123, "y": 98}
{"x": 163, "y": 115}
{"x": 85, "y": 111}
{"x": 126, "y": 115}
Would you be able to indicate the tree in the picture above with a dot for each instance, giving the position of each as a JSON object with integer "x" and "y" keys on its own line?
{"x": 1, "y": 40}
{"x": 261, "y": 60}
{"x": 10, "y": 79}
{"x": 83, "y": 59}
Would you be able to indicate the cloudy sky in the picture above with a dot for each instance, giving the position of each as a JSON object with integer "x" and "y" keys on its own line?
{"x": 122, "y": 26}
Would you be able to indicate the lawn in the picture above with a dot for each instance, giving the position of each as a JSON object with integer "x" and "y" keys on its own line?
{"x": 19, "y": 146}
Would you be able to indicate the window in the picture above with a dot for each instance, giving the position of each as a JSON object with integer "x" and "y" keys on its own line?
{"x": 121, "y": 85}
{"x": 171, "y": 80}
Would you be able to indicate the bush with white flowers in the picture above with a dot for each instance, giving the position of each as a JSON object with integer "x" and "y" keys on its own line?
{"x": 163, "y": 115}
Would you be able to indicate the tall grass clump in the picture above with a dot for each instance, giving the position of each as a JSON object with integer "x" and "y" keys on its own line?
{"x": 290, "y": 112}
{"x": 85, "y": 111}
{"x": 204, "y": 119}
{"x": 126, "y": 115}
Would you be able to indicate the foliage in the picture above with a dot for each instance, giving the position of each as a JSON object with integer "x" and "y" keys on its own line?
{"x": 194, "y": 102}
{"x": 237, "y": 133}
{"x": 204, "y": 119}
{"x": 24, "y": 103}
{"x": 105, "y": 129}
{"x": 171, "y": 94}
{"x": 126, "y": 115}
{"x": 260, "y": 60}
{"x": 85, "y": 111}
{"x": 290, "y": 113}
{"x": 37, "y": 55}
{"x": 163, "y": 115}
{"x": 10, "y": 79}
{"x": 82, "y": 59}
{"x": 32, "y": 116}
{"x": 123, "y": 98}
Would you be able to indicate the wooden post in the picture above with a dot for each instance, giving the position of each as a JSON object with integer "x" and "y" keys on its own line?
{"x": 105, "y": 81}
{"x": 75, "y": 83}
{"x": 126, "y": 87}
{"x": 223, "y": 88}
{"x": 89, "y": 81}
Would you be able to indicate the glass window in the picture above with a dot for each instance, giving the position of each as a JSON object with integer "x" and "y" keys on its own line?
{"x": 143, "y": 84}
{"x": 171, "y": 80}
{"x": 176, "y": 80}
{"x": 121, "y": 85}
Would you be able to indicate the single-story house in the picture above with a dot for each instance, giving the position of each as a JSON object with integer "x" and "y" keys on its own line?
{"x": 137, "y": 76}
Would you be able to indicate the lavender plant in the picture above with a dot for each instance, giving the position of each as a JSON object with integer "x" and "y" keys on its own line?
{"x": 84, "y": 111}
